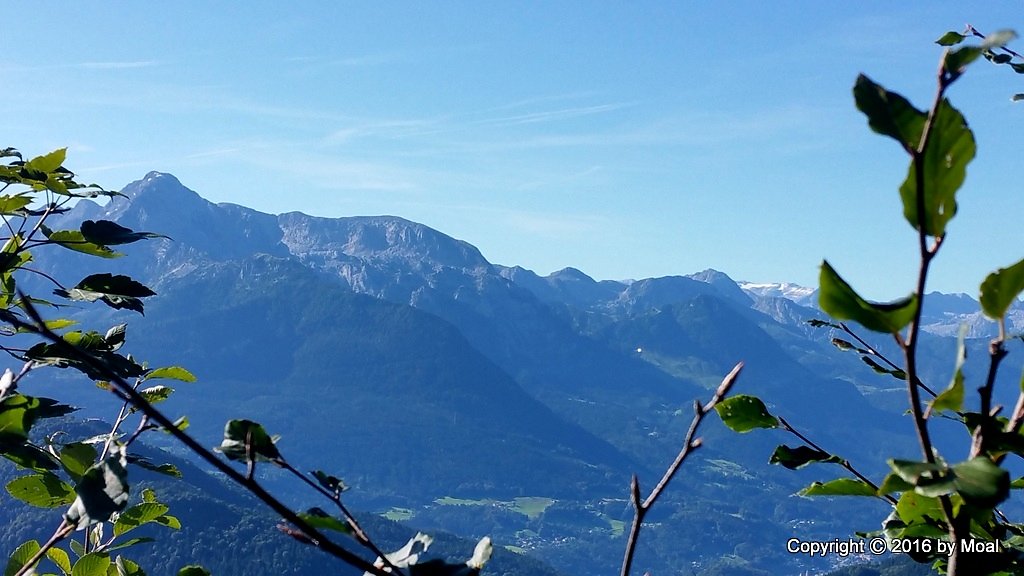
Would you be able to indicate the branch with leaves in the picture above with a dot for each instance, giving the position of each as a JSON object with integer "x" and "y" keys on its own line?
{"x": 930, "y": 498}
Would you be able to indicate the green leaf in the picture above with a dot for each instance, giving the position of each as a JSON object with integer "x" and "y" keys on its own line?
{"x": 928, "y": 479}
{"x": 165, "y": 469}
{"x": 889, "y": 113}
{"x": 73, "y": 240}
{"x": 102, "y": 491}
{"x": 11, "y": 205}
{"x": 956, "y": 61}
{"x": 171, "y": 372}
{"x": 839, "y": 487}
{"x": 21, "y": 556}
{"x": 60, "y": 558}
{"x": 840, "y": 301}
{"x": 115, "y": 291}
{"x": 794, "y": 458}
{"x": 156, "y": 394}
{"x": 53, "y": 325}
{"x": 1000, "y": 289}
{"x": 138, "y": 515}
{"x": 914, "y": 508}
{"x": 193, "y": 570}
{"x": 743, "y": 413}
{"x": 76, "y": 547}
{"x": 48, "y": 162}
{"x": 76, "y": 459}
{"x": 878, "y": 368}
{"x": 952, "y": 398}
{"x": 107, "y": 233}
{"x": 318, "y": 519}
{"x": 981, "y": 482}
{"x": 41, "y": 490}
{"x": 243, "y": 438}
{"x": 122, "y": 544}
{"x": 950, "y": 148}
{"x": 18, "y": 413}
{"x": 950, "y": 39}
{"x": 894, "y": 483}
{"x": 30, "y": 456}
{"x": 94, "y": 564}
{"x": 328, "y": 482}
{"x": 125, "y": 567}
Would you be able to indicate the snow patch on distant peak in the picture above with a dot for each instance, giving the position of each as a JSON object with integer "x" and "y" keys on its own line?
{"x": 795, "y": 292}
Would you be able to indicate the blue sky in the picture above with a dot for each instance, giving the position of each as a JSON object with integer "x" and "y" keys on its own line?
{"x": 625, "y": 139}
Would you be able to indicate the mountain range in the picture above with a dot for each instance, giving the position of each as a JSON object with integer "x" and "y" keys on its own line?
{"x": 463, "y": 395}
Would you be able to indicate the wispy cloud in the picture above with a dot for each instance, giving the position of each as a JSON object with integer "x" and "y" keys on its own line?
{"x": 551, "y": 115}
{"x": 117, "y": 65}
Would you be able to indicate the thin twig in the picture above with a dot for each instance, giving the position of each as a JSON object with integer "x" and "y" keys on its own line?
{"x": 690, "y": 443}
{"x": 844, "y": 462}
{"x": 61, "y": 533}
{"x": 882, "y": 357}
{"x": 927, "y": 253}
{"x": 360, "y": 534}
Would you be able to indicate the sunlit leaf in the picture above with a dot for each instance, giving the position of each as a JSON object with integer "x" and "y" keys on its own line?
{"x": 171, "y": 372}
{"x": 839, "y": 487}
{"x": 952, "y": 398}
{"x": 73, "y": 240}
{"x": 93, "y": 564}
{"x": 950, "y": 39}
{"x": 743, "y": 413}
{"x": 138, "y": 515}
{"x": 41, "y": 490}
{"x": 48, "y": 162}
{"x": 21, "y": 556}
{"x": 77, "y": 458}
{"x": 1000, "y": 290}
{"x": 60, "y": 558}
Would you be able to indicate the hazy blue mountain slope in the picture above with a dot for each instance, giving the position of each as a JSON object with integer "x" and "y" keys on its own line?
{"x": 384, "y": 394}
{"x": 224, "y": 528}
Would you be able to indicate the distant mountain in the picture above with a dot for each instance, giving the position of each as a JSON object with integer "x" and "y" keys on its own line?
{"x": 463, "y": 393}
{"x": 800, "y": 294}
